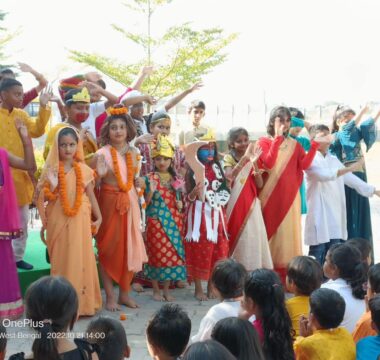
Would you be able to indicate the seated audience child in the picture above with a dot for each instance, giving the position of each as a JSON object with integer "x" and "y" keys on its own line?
{"x": 109, "y": 336}
{"x": 239, "y": 337}
{"x": 321, "y": 337}
{"x": 264, "y": 297}
{"x": 3, "y": 341}
{"x": 168, "y": 332}
{"x": 303, "y": 277}
{"x": 52, "y": 307}
{"x": 364, "y": 325}
{"x": 369, "y": 347}
{"x": 365, "y": 248}
{"x": 227, "y": 279}
{"x": 347, "y": 274}
{"x": 207, "y": 350}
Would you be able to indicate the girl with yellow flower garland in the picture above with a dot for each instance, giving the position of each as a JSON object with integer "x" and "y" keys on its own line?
{"x": 67, "y": 184}
{"x": 119, "y": 240}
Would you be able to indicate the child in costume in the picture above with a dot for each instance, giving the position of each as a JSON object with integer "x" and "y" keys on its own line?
{"x": 164, "y": 245}
{"x": 119, "y": 240}
{"x": 206, "y": 227}
{"x": 67, "y": 184}
{"x": 10, "y": 228}
{"x": 246, "y": 228}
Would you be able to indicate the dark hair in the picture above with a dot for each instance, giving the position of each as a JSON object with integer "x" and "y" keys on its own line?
{"x": 264, "y": 287}
{"x": 169, "y": 330}
{"x": 347, "y": 259}
{"x": 239, "y": 337}
{"x": 110, "y": 337}
{"x": 328, "y": 307}
{"x": 363, "y": 245}
{"x": 3, "y": 338}
{"x": 68, "y": 131}
{"x": 101, "y": 83}
{"x": 374, "y": 278}
{"x": 314, "y": 129}
{"x": 340, "y": 112}
{"x": 233, "y": 135}
{"x": 105, "y": 129}
{"x": 207, "y": 350}
{"x": 280, "y": 111}
{"x": 306, "y": 274}
{"x": 50, "y": 299}
{"x": 197, "y": 104}
{"x": 374, "y": 307}
{"x": 7, "y": 83}
{"x": 294, "y": 112}
{"x": 228, "y": 277}
{"x": 171, "y": 169}
{"x": 69, "y": 96}
{"x": 7, "y": 72}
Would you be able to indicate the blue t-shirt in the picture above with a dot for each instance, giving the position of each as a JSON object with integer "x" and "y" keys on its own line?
{"x": 368, "y": 348}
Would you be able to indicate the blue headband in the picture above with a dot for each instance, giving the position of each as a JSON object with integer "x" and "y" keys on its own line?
{"x": 296, "y": 122}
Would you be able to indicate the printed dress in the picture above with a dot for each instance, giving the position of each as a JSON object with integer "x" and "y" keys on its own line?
{"x": 164, "y": 234}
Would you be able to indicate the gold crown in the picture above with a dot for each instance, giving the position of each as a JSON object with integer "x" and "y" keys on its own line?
{"x": 163, "y": 147}
{"x": 82, "y": 96}
{"x": 209, "y": 136}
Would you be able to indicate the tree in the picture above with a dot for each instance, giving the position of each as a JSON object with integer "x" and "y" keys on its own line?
{"x": 5, "y": 37}
{"x": 187, "y": 54}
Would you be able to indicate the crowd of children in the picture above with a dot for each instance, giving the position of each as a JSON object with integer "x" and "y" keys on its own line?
{"x": 163, "y": 214}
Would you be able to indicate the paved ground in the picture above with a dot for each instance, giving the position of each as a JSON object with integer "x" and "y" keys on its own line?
{"x": 137, "y": 319}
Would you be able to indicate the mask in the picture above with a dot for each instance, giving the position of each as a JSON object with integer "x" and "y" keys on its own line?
{"x": 81, "y": 117}
{"x": 206, "y": 155}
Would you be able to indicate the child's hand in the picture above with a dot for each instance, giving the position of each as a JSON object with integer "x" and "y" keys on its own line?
{"x": 84, "y": 133}
{"x": 305, "y": 328}
{"x": 196, "y": 86}
{"x": 179, "y": 205}
{"x": 147, "y": 70}
{"x": 21, "y": 128}
{"x": 95, "y": 226}
{"x": 196, "y": 191}
{"x": 144, "y": 139}
{"x": 243, "y": 314}
{"x": 93, "y": 76}
{"x": 256, "y": 154}
{"x": 101, "y": 165}
{"x": 52, "y": 175}
{"x": 153, "y": 185}
{"x": 24, "y": 67}
{"x": 45, "y": 97}
{"x": 377, "y": 193}
{"x": 150, "y": 100}
{"x": 140, "y": 183}
{"x": 357, "y": 166}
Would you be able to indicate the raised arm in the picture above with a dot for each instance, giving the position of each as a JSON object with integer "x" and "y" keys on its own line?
{"x": 95, "y": 88}
{"x": 308, "y": 157}
{"x": 42, "y": 82}
{"x": 144, "y": 72}
{"x": 360, "y": 115}
{"x": 176, "y": 99}
{"x": 270, "y": 151}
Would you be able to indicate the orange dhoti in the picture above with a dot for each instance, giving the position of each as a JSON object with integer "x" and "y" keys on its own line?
{"x": 119, "y": 240}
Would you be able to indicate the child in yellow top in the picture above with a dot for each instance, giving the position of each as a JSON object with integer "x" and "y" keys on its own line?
{"x": 321, "y": 338}
{"x": 303, "y": 277}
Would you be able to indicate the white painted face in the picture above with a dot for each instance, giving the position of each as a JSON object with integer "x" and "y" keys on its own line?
{"x": 222, "y": 197}
{"x": 210, "y": 197}
{"x": 215, "y": 185}
{"x": 217, "y": 171}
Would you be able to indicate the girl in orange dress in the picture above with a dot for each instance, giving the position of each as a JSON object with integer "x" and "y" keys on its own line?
{"x": 67, "y": 184}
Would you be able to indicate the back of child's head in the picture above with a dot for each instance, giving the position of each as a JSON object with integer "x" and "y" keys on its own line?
{"x": 109, "y": 336}
{"x": 207, "y": 350}
{"x": 239, "y": 337}
{"x": 197, "y": 104}
{"x": 7, "y": 74}
{"x": 328, "y": 307}
{"x": 374, "y": 278}
{"x": 348, "y": 262}
{"x": 228, "y": 277}
{"x": 3, "y": 341}
{"x": 233, "y": 135}
{"x": 52, "y": 305}
{"x": 374, "y": 307}
{"x": 264, "y": 287}
{"x": 294, "y": 112}
{"x": 305, "y": 273}
{"x": 318, "y": 128}
{"x": 169, "y": 330}
{"x": 363, "y": 245}
{"x": 8, "y": 83}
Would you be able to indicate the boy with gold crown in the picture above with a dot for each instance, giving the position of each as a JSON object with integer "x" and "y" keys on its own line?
{"x": 206, "y": 231}
{"x": 77, "y": 104}
{"x": 164, "y": 244}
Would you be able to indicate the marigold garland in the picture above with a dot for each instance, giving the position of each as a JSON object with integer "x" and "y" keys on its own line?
{"x": 130, "y": 170}
{"x": 51, "y": 196}
{"x": 68, "y": 211}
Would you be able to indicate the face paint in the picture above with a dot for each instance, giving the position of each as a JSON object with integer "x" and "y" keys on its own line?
{"x": 206, "y": 155}
{"x": 81, "y": 117}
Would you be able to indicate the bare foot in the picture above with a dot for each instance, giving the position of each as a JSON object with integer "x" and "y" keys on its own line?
{"x": 168, "y": 297}
{"x": 111, "y": 305}
{"x": 137, "y": 287}
{"x": 128, "y": 302}
{"x": 180, "y": 284}
{"x": 201, "y": 296}
{"x": 157, "y": 296}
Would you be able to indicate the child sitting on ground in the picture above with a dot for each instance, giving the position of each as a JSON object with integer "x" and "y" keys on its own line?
{"x": 303, "y": 277}
{"x": 364, "y": 325}
{"x": 227, "y": 279}
{"x": 168, "y": 332}
{"x": 321, "y": 337}
{"x": 207, "y": 350}
{"x": 365, "y": 248}
{"x": 3, "y": 341}
{"x": 110, "y": 338}
{"x": 369, "y": 347}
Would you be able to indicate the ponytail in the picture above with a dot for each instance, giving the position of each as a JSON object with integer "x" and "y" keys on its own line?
{"x": 358, "y": 281}
{"x": 45, "y": 346}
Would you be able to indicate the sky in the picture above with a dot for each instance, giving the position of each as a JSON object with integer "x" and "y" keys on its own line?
{"x": 294, "y": 52}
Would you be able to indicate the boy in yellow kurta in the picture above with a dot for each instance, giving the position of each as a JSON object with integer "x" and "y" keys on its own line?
{"x": 321, "y": 338}
{"x": 11, "y": 93}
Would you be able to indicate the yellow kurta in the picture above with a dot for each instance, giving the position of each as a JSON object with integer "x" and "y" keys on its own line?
{"x": 11, "y": 141}
{"x": 332, "y": 344}
{"x": 89, "y": 145}
{"x": 297, "y": 306}
{"x": 69, "y": 242}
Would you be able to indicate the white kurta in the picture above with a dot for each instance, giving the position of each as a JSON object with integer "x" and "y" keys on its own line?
{"x": 95, "y": 110}
{"x": 326, "y": 201}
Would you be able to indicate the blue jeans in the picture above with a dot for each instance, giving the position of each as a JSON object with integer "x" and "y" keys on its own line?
{"x": 320, "y": 251}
